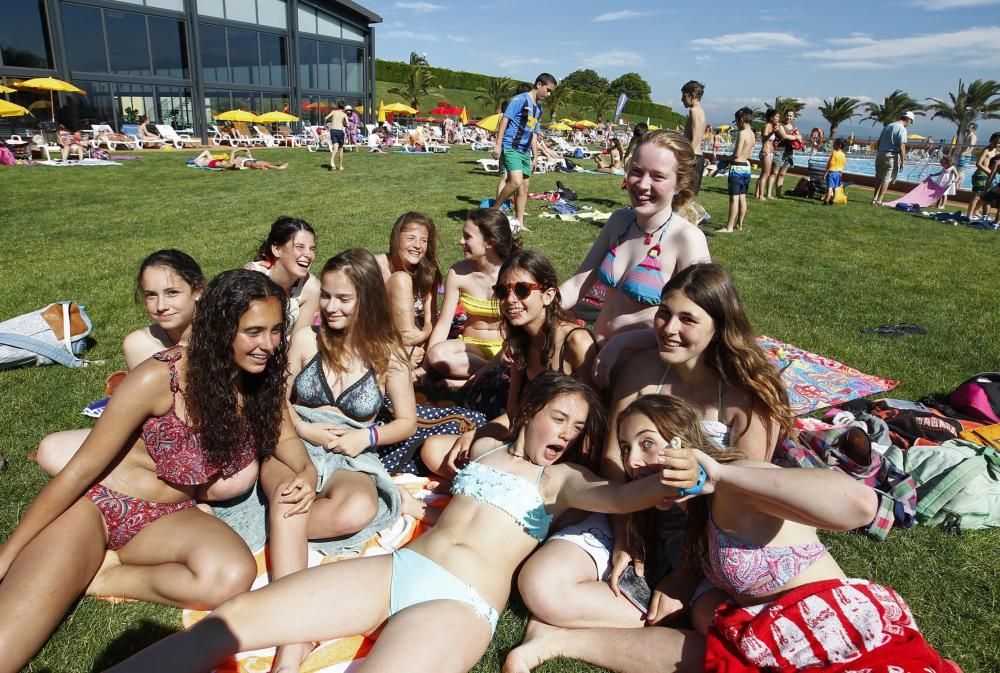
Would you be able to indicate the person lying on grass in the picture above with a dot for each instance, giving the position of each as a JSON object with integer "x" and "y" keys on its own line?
{"x": 235, "y": 162}
{"x": 120, "y": 519}
{"x": 446, "y": 589}
{"x": 753, "y": 535}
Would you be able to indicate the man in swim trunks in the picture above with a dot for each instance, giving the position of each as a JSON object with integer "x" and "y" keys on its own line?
{"x": 986, "y": 171}
{"x": 337, "y": 122}
{"x": 739, "y": 171}
{"x": 694, "y": 127}
{"x": 891, "y": 154}
{"x": 966, "y": 143}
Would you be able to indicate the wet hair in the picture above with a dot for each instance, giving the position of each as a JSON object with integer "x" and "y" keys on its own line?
{"x": 427, "y": 274}
{"x": 770, "y": 113}
{"x": 518, "y": 342}
{"x": 687, "y": 174}
{"x": 734, "y": 354}
{"x": 495, "y": 228}
{"x": 995, "y": 138}
{"x": 743, "y": 116}
{"x": 694, "y": 88}
{"x": 839, "y": 144}
{"x": 282, "y": 231}
{"x": 214, "y": 407}
{"x": 545, "y": 78}
{"x": 947, "y": 160}
{"x": 547, "y": 386}
{"x": 180, "y": 263}
{"x": 371, "y": 334}
{"x": 673, "y": 417}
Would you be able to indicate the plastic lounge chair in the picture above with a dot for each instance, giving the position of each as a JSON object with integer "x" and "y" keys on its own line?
{"x": 111, "y": 144}
{"x": 242, "y": 131}
{"x": 132, "y": 131}
{"x": 489, "y": 165}
{"x": 227, "y": 136}
{"x": 288, "y": 137}
{"x": 314, "y": 141}
{"x": 49, "y": 131}
{"x": 265, "y": 135}
{"x": 178, "y": 140}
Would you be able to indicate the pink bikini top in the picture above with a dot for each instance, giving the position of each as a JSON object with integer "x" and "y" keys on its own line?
{"x": 753, "y": 570}
{"x": 175, "y": 446}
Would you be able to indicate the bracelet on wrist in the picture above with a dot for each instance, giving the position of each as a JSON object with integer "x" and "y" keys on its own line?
{"x": 699, "y": 485}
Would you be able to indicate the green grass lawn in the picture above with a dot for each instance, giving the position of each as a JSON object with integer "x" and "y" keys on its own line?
{"x": 809, "y": 275}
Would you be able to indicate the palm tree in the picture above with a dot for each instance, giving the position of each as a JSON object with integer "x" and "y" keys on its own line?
{"x": 419, "y": 83}
{"x": 838, "y": 111}
{"x": 557, "y": 98}
{"x": 498, "y": 90}
{"x": 892, "y": 108}
{"x": 981, "y": 99}
{"x": 600, "y": 103}
{"x": 418, "y": 59}
{"x": 783, "y": 105}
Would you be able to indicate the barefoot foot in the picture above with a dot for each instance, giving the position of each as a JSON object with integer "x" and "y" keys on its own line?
{"x": 288, "y": 658}
{"x": 541, "y": 643}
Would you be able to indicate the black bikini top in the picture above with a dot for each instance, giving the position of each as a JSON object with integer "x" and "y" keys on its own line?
{"x": 359, "y": 401}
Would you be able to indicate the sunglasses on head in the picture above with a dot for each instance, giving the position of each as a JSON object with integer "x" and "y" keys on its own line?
{"x": 520, "y": 290}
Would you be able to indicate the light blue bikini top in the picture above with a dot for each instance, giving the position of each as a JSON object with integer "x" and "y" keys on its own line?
{"x": 514, "y": 495}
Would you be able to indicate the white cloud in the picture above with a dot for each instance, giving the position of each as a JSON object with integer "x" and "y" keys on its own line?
{"x": 703, "y": 58}
{"x": 943, "y": 5}
{"x": 419, "y": 7}
{"x": 509, "y": 63}
{"x": 457, "y": 38}
{"x": 974, "y": 43}
{"x": 743, "y": 42}
{"x": 410, "y": 35}
{"x": 617, "y": 16}
{"x": 853, "y": 40}
{"x": 613, "y": 58}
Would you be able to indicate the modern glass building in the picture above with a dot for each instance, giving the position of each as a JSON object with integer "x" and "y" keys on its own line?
{"x": 183, "y": 61}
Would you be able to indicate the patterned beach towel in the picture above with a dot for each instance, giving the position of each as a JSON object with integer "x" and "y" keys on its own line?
{"x": 343, "y": 654}
{"x": 814, "y": 382}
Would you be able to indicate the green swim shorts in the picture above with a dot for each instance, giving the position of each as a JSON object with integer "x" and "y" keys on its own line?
{"x": 516, "y": 160}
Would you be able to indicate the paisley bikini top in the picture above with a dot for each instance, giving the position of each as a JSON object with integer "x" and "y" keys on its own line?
{"x": 514, "y": 495}
{"x": 359, "y": 401}
{"x": 644, "y": 282}
{"x": 175, "y": 446}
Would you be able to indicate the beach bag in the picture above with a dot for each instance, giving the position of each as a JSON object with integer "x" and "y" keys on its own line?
{"x": 7, "y": 157}
{"x": 56, "y": 333}
{"x": 100, "y": 154}
{"x": 979, "y": 398}
{"x": 840, "y": 196}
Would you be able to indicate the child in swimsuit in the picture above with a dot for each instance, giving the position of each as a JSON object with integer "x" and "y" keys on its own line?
{"x": 573, "y": 581}
{"x": 486, "y": 243}
{"x": 766, "y": 156}
{"x": 138, "y": 492}
{"x": 447, "y": 588}
{"x": 781, "y": 602}
{"x": 640, "y": 248}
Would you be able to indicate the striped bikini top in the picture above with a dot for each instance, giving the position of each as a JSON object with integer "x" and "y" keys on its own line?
{"x": 644, "y": 282}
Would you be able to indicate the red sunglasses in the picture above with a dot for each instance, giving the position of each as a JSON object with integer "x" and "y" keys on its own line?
{"x": 520, "y": 290}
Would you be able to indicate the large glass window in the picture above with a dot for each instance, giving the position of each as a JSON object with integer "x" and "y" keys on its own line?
{"x": 85, "y": 42}
{"x": 354, "y": 69}
{"x": 24, "y": 39}
{"x": 175, "y": 106}
{"x": 307, "y": 19}
{"x": 176, "y": 5}
{"x": 136, "y": 101}
{"x": 244, "y": 58}
{"x": 273, "y": 60}
{"x": 168, "y": 43}
{"x": 127, "y": 44}
{"x": 212, "y": 8}
{"x": 308, "y": 79}
{"x": 270, "y": 102}
{"x": 215, "y": 66}
{"x": 271, "y": 13}
{"x": 241, "y": 10}
{"x": 327, "y": 25}
{"x": 351, "y": 33}
{"x": 263, "y": 12}
{"x": 330, "y": 66}
{"x": 217, "y": 102}
{"x": 97, "y": 107}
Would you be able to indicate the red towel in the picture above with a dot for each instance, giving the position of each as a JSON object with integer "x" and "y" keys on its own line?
{"x": 833, "y": 625}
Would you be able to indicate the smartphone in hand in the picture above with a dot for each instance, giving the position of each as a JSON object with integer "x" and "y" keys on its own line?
{"x": 635, "y": 588}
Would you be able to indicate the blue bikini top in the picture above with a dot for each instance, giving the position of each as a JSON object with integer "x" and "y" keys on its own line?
{"x": 643, "y": 282}
{"x": 514, "y": 495}
{"x": 359, "y": 401}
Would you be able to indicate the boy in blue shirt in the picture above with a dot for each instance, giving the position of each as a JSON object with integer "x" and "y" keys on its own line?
{"x": 516, "y": 142}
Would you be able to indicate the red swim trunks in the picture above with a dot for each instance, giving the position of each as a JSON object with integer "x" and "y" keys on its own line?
{"x": 126, "y": 515}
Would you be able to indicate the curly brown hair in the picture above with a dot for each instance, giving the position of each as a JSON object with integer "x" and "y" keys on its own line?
{"x": 734, "y": 354}
{"x": 518, "y": 342}
{"x": 547, "y": 386}
{"x": 221, "y": 414}
{"x": 370, "y": 334}
{"x": 427, "y": 274}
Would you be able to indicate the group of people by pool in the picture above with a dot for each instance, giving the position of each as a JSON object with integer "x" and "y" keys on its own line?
{"x": 633, "y": 452}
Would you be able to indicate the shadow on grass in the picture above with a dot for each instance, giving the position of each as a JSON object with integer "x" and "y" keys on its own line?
{"x": 129, "y": 642}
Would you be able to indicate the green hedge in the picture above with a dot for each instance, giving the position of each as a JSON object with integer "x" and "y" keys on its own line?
{"x": 396, "y": 71}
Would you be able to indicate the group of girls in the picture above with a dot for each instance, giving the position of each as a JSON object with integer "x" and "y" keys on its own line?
{"x": 695, "y": 412}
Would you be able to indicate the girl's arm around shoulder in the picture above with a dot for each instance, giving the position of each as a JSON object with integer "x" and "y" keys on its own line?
{"x": 827, "y": 499}
{"x": 399, "y": 386}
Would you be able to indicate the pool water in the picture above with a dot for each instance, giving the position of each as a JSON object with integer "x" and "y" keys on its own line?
{"x": 914, "y": 171}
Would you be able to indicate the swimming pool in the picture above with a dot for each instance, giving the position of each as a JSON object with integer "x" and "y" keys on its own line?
{"x": 912, "y": 171}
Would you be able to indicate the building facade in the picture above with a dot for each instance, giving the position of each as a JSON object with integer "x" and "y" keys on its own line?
{"x": 184, "y": 61}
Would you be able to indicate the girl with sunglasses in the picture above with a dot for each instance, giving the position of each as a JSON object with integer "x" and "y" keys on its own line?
{"x": 486, "y": 242}
{"x": 538, "y": 337}
{"x": 445, "y": 590}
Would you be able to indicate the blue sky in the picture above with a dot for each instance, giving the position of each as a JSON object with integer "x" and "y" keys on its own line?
{"x": 744, "y": 53}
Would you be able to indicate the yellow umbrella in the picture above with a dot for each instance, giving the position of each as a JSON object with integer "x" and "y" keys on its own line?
{"x": 489, "y": 123}
{"x": 49, "y": 84}
{"x": 567, "y": 120}
{"x": 237, "y": 116}
{"x": 400, "y": 107}
{"x": 915, "y": 136}
{"x": 381, "y": 111}
{"x": 559, "y": 126}
{"x": 6, "y": 89}
{"x": 8, "y": 109}
{"x": 586, "y": 122}
{"x": 464, "y": 117}
{"x": 653, "y": 127}
{"x": 276, "y": 117}
{"x": 724, "y": 127}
